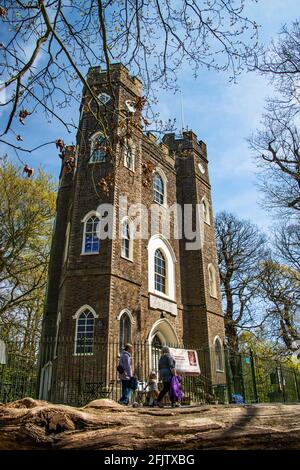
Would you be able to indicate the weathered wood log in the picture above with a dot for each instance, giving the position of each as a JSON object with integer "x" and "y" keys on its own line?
{"x": 104, "y": 424}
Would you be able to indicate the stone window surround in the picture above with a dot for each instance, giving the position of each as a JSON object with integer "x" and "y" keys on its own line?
{"x": 159, "y": 242}
{"x": 212, "y": 281}
{"x": 129, "y": 143}
{"x": 127, "y": 312}
{"x": 206, "y": 210}
{"x": 217, "y": 339}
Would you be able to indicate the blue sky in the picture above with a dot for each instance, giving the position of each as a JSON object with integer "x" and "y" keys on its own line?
{"x": 224, "y": 114}
{"x": 221, "y": 113}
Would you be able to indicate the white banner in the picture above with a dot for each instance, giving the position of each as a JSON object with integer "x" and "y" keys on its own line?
{"x": 186, "y": 361}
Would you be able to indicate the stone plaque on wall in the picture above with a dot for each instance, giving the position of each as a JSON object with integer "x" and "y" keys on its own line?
{"x": 162, "y": 304}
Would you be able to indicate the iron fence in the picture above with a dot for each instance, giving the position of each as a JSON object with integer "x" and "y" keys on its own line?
{"x": 60, "y": 375}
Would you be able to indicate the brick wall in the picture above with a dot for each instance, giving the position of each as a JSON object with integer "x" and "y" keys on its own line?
{"x": 106, "y": 281}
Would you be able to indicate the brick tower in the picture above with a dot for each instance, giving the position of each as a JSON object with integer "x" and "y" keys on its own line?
{"x": 148, "y": 289}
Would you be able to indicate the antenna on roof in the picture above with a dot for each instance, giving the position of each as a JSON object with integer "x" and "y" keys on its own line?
{"x": 182, "y": 115}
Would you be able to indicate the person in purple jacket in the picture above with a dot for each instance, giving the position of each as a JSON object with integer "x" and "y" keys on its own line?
{"x": 126, "y": 363}
{"x": 166, "y": 367}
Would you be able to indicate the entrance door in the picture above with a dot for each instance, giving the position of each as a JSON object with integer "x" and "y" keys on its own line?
{"x": 156, "y": 352}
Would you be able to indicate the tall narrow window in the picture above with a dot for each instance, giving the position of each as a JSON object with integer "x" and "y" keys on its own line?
{"x": 219, "y": 355}
{"x": 58, "y": 320}
{"x": 67, "y": 239}
{"x": 126, "y": 240}
{"x": 85, "y": 333}
{"x": 98, "y": 148}
{"x": 205, "y": 209}
{"x": 158, "y": 189}
{"x": 160, "y": 272}
{"x": 125, "y": 331}
{"x": 91, "y": 242}
{"x": 128, "y": 156}
{"x": 212, "y": 280}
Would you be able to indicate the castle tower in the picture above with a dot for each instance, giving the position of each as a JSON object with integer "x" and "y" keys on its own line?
{"x": 149, "y": 288}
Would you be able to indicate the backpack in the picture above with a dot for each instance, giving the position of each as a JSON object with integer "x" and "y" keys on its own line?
{"x": 120, "y": 368}
{"x": 237, "y": 398}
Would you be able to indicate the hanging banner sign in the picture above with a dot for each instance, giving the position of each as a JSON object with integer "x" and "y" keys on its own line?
{"x": 186, "y": 361}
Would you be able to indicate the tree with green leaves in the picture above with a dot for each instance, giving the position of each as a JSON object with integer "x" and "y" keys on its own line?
{"x": 27, "y": 209}
{"x": 280, "y": 286}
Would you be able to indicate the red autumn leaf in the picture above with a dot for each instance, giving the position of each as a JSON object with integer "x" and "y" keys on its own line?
{"x": 70, "y": 164}
{"x": 23, "y": 115}
{"x": 60, "y": 144}
{"x": 3, "y": 12}
{"x": 140, "y": 102}
{"x": 146, "y": 121}
{"x": 28, "y": 171}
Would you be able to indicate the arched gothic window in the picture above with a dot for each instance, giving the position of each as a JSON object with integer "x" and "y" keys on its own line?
{"x": 67, "y": 241}
{"x": 84, "y": 336}
{"x": 91, "y": 242}
{"x": 158, "y": 189}
{"x": 219, "y": 355}
{"x": 125, "y": 330}
{"x": 126, "y": 240}
{"x": 212, "y": 280}
{"x": 98, "y": 148}
{"x": 129, "y": 156}
{"x": 206, "y": 211}
{"x": 161, "y": 271}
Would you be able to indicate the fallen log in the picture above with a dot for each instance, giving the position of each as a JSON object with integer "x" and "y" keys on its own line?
{"x": 103, "y": 424}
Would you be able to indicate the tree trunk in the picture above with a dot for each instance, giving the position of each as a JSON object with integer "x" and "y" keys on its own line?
{"x": 104, "y": 424}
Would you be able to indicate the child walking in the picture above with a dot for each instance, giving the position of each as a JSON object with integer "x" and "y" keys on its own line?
{"x": 152, "y": 389}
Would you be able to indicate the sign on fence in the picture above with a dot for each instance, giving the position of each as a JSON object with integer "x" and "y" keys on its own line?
{"x": 2, "y": 352}
{"x": 186, "y": 361}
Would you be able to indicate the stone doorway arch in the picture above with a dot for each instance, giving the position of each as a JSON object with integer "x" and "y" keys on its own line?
{"x": 161, "y": 334}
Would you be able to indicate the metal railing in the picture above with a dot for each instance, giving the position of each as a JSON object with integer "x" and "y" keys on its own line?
{"x": 59, "y": 375}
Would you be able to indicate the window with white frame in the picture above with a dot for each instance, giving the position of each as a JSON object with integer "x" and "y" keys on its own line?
{"x": 158, "y": 189}
{"x": 103, "y": 98}
{"x": 219, "y": 355}
{"x": 129, "y": 156}
{"x": 91, "y": 242}
{"x": 85, "y": 326}
{"x": 212, "y": 280}
{"x": 126, "y": 240}
{"x": 206, "y": 211}
{"x": 161, "y": 267}
{"x": 98, "y": 148}
{"x": 125, "y": 330}
{"x": 160, "y": 272}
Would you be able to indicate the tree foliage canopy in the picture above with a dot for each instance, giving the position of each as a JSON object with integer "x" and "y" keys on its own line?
{"x": 27, "y": 209}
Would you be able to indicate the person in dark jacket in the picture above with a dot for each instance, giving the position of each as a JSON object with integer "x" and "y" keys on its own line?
{"x": 166, "y": 368}
{"x": 126, "y": 363}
